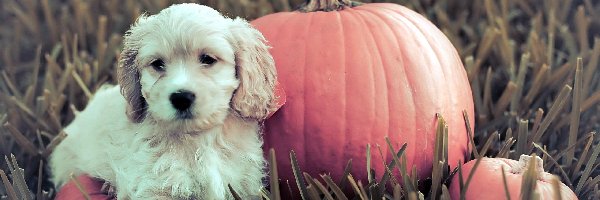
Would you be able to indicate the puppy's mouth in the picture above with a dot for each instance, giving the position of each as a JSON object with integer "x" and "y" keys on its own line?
{"x": 186, "y": 114}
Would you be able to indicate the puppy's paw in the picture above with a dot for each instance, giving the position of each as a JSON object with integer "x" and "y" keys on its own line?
{"x": 109, "y": 189}
{"x": 183, "y": 187}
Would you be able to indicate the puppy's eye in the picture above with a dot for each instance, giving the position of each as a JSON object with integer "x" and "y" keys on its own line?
{"x": 206, "y": 59}
{"x": 158, "y": 65}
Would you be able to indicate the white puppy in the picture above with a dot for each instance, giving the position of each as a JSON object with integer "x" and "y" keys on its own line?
{"x": 185, "y": 120}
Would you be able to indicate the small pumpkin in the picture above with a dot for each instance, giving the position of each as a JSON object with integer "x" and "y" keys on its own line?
{"x": 355, "y": 74}
{"x": 487, "y": 181}
{"x": 91, "y": 186}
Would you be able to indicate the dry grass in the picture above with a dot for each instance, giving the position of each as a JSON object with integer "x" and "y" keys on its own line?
{"x": 532, "y": 66}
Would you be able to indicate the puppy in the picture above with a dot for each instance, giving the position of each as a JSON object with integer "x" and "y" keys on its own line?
{"x": 185, "y": 120}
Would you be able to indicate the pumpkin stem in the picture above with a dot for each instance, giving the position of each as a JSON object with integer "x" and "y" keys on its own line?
{"x": 327, "y": 5}
{"x": 524, "y": 163}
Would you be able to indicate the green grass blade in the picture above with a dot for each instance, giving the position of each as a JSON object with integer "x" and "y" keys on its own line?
{"x": 506, "y": 192}
{"x": 556, "y": 187}
{"x": 522, "y": 138}
{"x": 461, "y": 181}
{"x": 470, "y": 177}
{"x": 555, "y": 162}
{"x": 588, "y": 169}
{"x": 313, "y": 194}
{"x": 357, "y": 191}
{"x": 488, "y": 143}
{"x": 555, "y": 109}
{"x": 297, "y": 175}
{"x": 235, "y": 195}
{"x": 530, "y": 177}
{"x": 339, "y": 194}
{"x": 470, "y": 133}
{"x": 347, "y": 171}
{"x": 575, "y": 113}
{"x": 369, "y": 175}
{"x": 39, "y": 194}
{"x": 80, "y": 187}
{"x": 583, "y": 154}
{"x": 505, "y": 150}
{"x": 445, "y": 193}
{"x": 275, "y": 193}
{"x": 397, "y": 192}
{"x": 8, "y": 186}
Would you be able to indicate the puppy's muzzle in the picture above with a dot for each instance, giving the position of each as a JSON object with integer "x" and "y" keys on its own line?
{"x": 182, "y": 101}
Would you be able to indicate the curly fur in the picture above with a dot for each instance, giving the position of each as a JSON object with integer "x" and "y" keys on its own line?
{"x": 130, "y": 135}
{"x": 253, "y": 97}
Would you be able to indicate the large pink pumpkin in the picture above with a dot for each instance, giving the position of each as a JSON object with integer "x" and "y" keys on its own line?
{"x": 356, "y": 75}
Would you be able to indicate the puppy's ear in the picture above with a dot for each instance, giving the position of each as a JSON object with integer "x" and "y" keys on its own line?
{"x": 128, "y": 75}
{"x": 129, "y": 79}
{"x": 255, "y": 97}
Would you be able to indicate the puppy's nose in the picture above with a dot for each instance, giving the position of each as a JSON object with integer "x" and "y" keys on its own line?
{"x": 182, "y": 99}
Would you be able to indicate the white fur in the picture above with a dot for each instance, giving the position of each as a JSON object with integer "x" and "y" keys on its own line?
{"x": 162, "y": 156}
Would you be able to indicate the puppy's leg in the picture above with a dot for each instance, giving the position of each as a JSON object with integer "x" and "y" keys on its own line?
{"x": 62, "y": 164}
{"x": 109, "y": 189}
{"x": 89, "y": 138}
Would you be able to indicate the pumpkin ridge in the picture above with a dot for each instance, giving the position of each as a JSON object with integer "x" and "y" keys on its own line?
{"x": 417, "y": 31}
{"x": 366, "y": 31}
{"x": 416, "y": 143}
{"x": 392, "y": 134}
{"x": 415, "y": 19}
{"x": 423, "y": 143}
{"x": 304, "y": 96}
{"x": 340, "y": 21}
{"x": 420, "y": 144}
{"x": 427, "y": 37}
{"x": 275, "y": 36}
{"x": 453, "y": 98}
{"x": 376, "y": 62}
{"x": 349, "y": 19}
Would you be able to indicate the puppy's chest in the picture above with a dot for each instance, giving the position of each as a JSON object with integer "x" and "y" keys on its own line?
{"x": 179, "y": 172}
{"x": 178, "y": 159}
{"x": 197, "y": 168}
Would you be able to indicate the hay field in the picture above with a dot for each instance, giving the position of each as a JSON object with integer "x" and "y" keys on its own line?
{"x": 532, "y": 65}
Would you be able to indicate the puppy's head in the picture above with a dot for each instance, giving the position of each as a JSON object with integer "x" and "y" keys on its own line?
{"x": 190, "y": 64}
